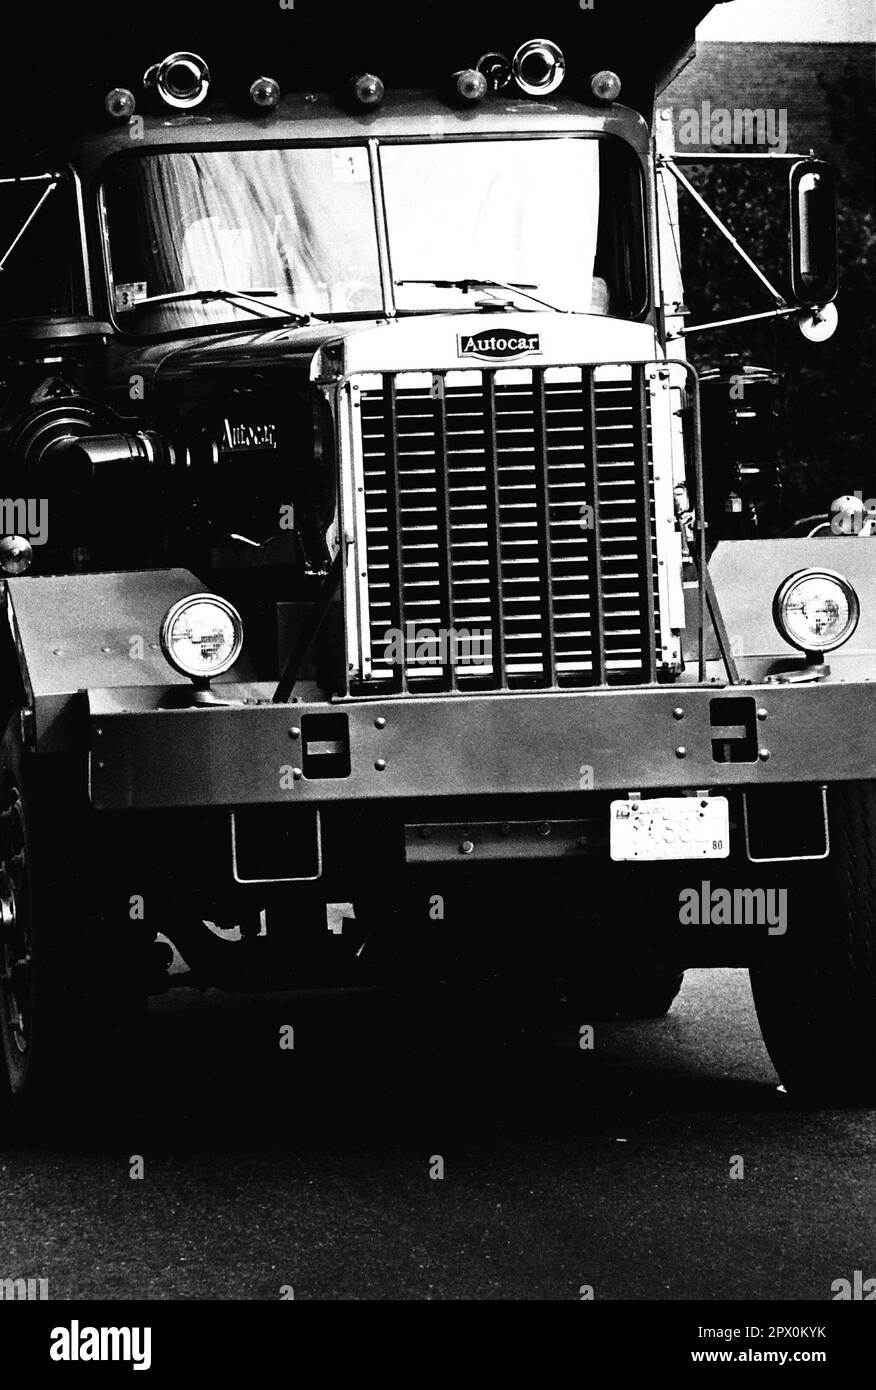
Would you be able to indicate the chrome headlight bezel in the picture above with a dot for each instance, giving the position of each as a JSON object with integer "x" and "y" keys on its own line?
{"x": 172, "y": 616}
{"x": 785, "y": 592}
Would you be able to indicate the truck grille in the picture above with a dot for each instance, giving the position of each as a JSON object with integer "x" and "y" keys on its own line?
{"x": 513, "y": 508}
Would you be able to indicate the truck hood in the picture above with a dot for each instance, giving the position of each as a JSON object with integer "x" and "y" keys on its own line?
{"x": 428, "y": 342}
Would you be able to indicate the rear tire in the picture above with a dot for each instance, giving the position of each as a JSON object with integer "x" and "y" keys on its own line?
{"x": 815, "y": 986}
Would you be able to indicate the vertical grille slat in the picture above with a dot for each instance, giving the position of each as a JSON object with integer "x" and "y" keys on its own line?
{"x": 643, "y": 514}
{"x": 442, "y": 512}
{"x": 395, "y": 558}
{"x": 596, "y": 581}
{"x": 543, "y": 522}
{"x": 475, "y": 488}
{"x": 494, "y": 530}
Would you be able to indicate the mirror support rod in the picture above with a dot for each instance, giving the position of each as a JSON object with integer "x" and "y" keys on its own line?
{"x": 707, "y": 157}
{"x": 666, "y": 163}
{"x": 24, "y": 226}
{"x": 730, "y": 323}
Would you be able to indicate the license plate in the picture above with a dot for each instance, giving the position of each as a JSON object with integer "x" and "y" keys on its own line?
{"x": 671, "y": 827}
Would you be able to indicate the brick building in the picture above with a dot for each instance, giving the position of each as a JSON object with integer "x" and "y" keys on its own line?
{"x": 791, "y": 77}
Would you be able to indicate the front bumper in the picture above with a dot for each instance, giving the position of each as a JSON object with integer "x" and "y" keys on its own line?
{"x": 147, "y": 758}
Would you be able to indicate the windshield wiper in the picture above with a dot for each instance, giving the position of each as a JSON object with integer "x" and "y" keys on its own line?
{"x": 248, "y": 297}
{"x": 470, "y": 284}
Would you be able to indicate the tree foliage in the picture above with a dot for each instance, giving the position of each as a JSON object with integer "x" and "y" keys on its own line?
{"x": 828, "y": 403}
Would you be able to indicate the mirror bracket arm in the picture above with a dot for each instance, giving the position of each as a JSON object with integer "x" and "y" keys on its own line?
{"x": 785, "y": 312}
{"x": 667, "y": 162}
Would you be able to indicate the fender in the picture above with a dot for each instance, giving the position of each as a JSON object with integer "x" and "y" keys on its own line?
{"x": 746, "y": 575}
{"x": 83, "y": 632}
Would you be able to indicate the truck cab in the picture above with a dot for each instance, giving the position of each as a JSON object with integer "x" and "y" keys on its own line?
{"x": 361, "y": 607}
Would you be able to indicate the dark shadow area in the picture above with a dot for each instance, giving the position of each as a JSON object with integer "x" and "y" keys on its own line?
{"x": 365, "y": 1069}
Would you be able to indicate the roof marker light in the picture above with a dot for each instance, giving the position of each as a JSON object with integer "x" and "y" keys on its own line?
{"x": 120, "y": 104}
{"x": 182, "y": 80}
{"x": 471, "y": 85}
{"x": 605, "y": 85}
{"x": 496, "y": 69}
{"x": 539, "y": 67}
{"x": 265, "y": 93}
{"x": 368, "y": 90}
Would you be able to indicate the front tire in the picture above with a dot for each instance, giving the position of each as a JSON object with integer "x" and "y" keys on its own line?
{"x": 626, "y": 994}
{"x": 815, "y": 986}
{"x": 70, "y": 1014}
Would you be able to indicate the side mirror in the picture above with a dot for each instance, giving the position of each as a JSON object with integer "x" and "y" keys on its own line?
{"x": 812, "y": 196}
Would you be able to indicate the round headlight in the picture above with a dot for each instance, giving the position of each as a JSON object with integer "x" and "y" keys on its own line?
{"x": 816, "y": 610}
{"x": 202, "y": 636}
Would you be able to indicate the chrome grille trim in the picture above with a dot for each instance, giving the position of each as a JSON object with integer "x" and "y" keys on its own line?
{"x": 469, "y": 487}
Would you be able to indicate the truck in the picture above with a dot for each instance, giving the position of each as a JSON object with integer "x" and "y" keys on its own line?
{"x": 387, "y": 602}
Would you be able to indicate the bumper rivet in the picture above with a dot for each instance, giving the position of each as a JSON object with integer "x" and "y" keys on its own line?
{"x": 380, "y": 723}
{"x": 380, "y": 765}
{"x": 764, "y": 755}
{"x": 294, "y": 732}
{"x": 544, "y": 828}
{"x": 504, "y": 828}
{"x": 678, "y": 712}
{"x": 761, "y": 714}
{"x": 467, "y": 847}
{"x": 681, "y": 752}
{"x": 297, "y": 774}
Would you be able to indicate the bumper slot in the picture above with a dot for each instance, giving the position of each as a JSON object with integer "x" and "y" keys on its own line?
{"x": 325, "y": 745}
{"x": 734, "y": 729}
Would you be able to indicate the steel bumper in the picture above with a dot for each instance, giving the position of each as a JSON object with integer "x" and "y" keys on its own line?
{"x": 425, "y": 746}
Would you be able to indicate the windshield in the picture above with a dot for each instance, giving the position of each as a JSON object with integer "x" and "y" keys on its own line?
{"x": 296, "y": 225}
{"x": 556, "y": 216}
{"x": 229, "y": 236}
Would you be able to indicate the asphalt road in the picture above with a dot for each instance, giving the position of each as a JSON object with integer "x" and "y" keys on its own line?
{"x": 309, "y": 1168}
